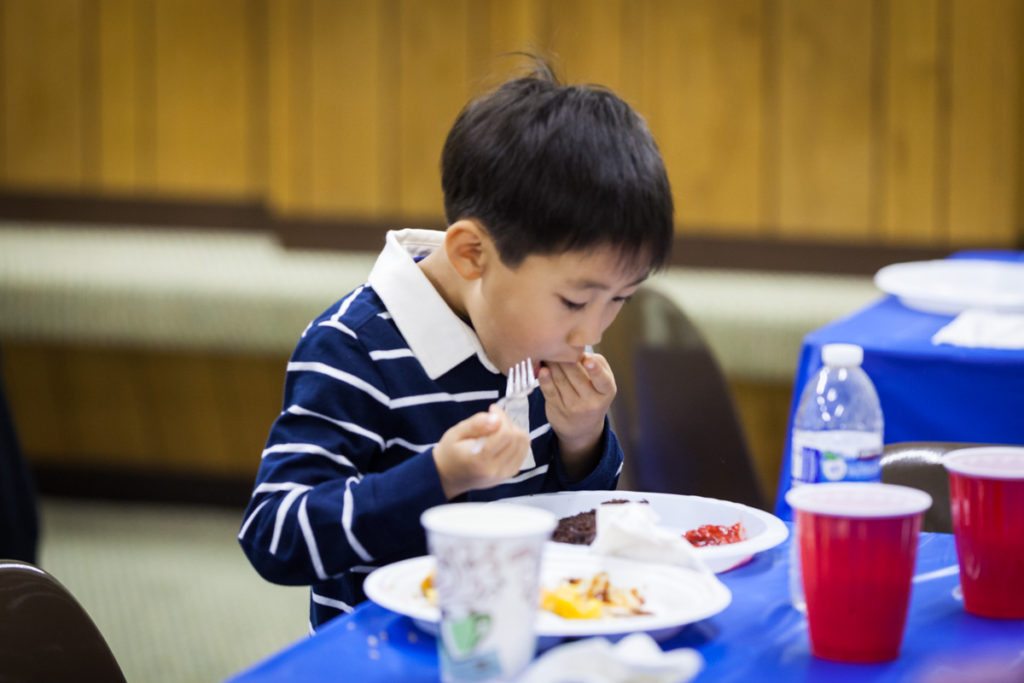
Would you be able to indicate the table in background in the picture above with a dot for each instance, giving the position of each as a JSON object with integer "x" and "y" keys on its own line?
{"x": 928, "y": 392}
{"x": 759, "y": 637}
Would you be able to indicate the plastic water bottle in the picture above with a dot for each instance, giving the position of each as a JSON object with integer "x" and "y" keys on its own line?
{"x": 837, "y": 434}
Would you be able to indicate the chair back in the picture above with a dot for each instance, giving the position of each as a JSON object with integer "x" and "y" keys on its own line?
{"x": 918, "y": 464}
{"x": 45, "y": 634}
{"x": 674, "y": 414}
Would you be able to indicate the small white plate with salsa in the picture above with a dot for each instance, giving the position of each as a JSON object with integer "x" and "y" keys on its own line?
{"x": 759, "y": 530}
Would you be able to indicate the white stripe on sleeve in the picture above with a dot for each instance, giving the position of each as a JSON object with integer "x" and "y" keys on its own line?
{"x": 346, "y": 523}
{"x": 346, "y": 302}
{"x": 282, "y": 512}
{"x": 307, "y": 533}
{"x": 341, "y": 327}
{"x": 270, "y": 487}
{"x": 340, "y": 375}
{"x": 310, "y": 448}
{"x": 526, "y": 475}
{"x": 414, "y": 447}
{"x": 442, "y": 397}
{"x": 540, "y": 431}
{"x": 331, "y": 602}
{"x": 245, "y": 526}
{"x": 347, "y": 426}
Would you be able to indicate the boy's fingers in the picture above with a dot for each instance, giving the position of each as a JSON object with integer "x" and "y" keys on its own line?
{"x": 548, "y": 386}
{"x": 600, "y": 373}
{"x": 572, "y": 378}
{"x": 481, "y": 424}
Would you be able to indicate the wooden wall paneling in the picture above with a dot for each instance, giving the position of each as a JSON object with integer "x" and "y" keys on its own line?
{"x": 433, "y": 85}
{"x": 118, "y": 95}
{"x": 286, "y": 98}
{"x": 107, "y": 417}
{"x": 586, "y": 39}
{"x": 914, "y": 117}
{"x": 507, "y": 26}
{"x": 346, "y": 101}
{"x": 985, "y": 125}
{"x": 705, "y": 97}
{"x": 250, "y": 399}
{"x": 32, "y": 380}
{"x": 183, "y": 394}
{"x": 42, "y": 100}
{"x": 203, "y": 79}
{"x": 826, "y": 126}
{"x": 636, "y": 57}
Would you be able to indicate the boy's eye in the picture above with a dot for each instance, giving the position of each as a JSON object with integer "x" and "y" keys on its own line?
{"x": 623, "y": 299}
{"x": 571, "y": 305}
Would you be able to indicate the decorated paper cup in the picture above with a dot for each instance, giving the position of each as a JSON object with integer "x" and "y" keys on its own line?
{"x": 986, "y": 487}
{"x": 488, "y": 570}
{"x": 858, "y": 542}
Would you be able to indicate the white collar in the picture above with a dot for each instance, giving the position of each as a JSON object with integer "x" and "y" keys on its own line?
{"x": 439, "y": 338}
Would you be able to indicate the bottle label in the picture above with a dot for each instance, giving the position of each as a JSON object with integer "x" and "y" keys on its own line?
{"x": 816, "y": 462}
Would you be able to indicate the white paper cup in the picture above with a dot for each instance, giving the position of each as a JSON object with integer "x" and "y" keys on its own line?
{"x": 488, "y": 570}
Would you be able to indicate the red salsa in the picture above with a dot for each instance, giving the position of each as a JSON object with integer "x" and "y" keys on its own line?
{"x": 715, "y": 534}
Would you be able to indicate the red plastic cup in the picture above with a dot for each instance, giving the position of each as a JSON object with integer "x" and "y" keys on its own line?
{"x": 986, "y": 488}
{"x": 858, "y": 543}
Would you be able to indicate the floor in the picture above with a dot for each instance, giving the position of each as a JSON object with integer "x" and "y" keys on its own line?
{"x": 169, "y": 587}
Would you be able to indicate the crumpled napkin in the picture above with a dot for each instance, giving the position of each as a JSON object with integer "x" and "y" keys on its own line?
{"x": 631, "y": 530}
{"x": 979, "y": 328}
{"x": 634, "y": 659}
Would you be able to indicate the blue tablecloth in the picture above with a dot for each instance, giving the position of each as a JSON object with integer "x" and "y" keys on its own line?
{"x": 928, "y": 392}
{"x": 757, "y": 638}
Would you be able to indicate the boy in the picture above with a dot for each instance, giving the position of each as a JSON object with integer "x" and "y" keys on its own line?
{"x": 558, "y": 207}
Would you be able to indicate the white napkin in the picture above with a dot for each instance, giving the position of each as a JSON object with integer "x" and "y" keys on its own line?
{"x": 978, "y": 328}
{"x": 518, "y": 410}
{"x": 631, "y": 530}
{"x": 634, "y": 659}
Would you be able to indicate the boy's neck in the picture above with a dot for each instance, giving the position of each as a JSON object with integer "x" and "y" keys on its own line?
{"x": 443, "y": 276}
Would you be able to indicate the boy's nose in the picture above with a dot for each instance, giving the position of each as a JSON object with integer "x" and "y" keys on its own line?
{"x": 585, "y": 335}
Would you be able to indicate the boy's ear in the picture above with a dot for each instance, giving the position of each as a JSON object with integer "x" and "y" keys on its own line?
{"x": 467, "y": 243}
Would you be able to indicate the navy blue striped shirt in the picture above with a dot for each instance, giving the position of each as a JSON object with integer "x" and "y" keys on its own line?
{"x": 348, "y": 467}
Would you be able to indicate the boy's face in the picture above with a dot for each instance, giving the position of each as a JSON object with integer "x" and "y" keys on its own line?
{"x": 550, "y": 308}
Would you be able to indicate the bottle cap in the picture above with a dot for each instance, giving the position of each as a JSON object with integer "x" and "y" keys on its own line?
{"x": 842, "y": 355}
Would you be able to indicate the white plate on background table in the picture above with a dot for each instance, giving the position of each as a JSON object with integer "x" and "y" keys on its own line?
{"x": 951, "y": 286}
{"x": 680, "y": 514}
{"x": 675, "y": 596}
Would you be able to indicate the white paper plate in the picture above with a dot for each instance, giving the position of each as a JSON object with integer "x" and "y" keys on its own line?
{"x": 675, "y": 596}
{"x": 680, "y": 514}
{"x": 954, "y": 285}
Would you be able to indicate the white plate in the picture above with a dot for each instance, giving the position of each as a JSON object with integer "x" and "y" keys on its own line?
{"x": 675, "y": 596}
{"x": 680, "y": 514}
{"x": 954, "y": 285}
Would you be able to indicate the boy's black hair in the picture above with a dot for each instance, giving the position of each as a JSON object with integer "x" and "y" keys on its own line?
{"x": 548, "y": 168}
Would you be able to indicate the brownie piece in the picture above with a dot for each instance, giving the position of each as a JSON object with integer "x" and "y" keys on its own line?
{"x": 581, "y": 528}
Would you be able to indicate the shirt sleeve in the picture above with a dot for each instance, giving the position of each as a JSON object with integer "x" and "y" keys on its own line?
{"x": 318, "y": 507}
{"x": 604, "y": 476}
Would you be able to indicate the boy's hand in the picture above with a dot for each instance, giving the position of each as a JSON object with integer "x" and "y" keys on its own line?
{"x": 577, "y": 397}
{"x": 480, "y": 452}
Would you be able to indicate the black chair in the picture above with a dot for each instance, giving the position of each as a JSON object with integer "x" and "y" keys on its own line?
{"x": 45, "y": 634}
{"x": 918, "y": 464}
{"x": 674, "y": 414}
